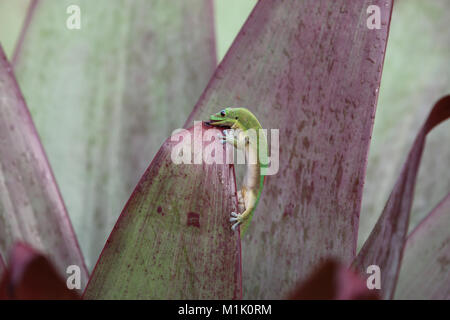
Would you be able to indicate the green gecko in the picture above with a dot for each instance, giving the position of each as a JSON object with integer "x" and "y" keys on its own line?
{"x": 254, "y": 143}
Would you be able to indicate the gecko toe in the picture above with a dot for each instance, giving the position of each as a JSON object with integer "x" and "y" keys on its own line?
{"x": 235, "y": 217}
{"x": 233, "y": 227}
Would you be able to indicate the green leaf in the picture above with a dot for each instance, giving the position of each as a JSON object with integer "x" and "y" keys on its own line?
{"x": 415, "y": 75}
{"x": 385, "y": 244}
{"x": 312, "y": 70}
{"x": 31, "y": 208}
{"x": 105, "y": 97}
{"x": 173, "y": 240}
{"x": 425, "y": 270}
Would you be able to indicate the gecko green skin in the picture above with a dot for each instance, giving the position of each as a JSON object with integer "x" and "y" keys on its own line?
{"x": 240, "y": 120}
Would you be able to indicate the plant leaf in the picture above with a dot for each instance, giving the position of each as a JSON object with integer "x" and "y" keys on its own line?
{"x": 2, "y": 266}
{"x": 408, "y": 88}
{"x": 333, "y": 281}
{"x": 30, "y": 276}
{"x": 385, "y": 244}
{"x": 173, "y": 239}
{"x": 105, "y": 97}
{"x": 31, "y": 208}
{"x": 312, "y": 70}
{"x": 425, "y": 270}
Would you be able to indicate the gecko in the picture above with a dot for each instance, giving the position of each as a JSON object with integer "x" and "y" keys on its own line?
{"x": 240, "y": 121}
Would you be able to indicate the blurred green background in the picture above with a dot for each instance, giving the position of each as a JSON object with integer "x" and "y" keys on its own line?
{"x": 230, "y": 15}
{"x": 12, "y": 15}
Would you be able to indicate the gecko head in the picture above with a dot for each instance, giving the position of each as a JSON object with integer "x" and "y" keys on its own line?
{"x": 224, "y": 118}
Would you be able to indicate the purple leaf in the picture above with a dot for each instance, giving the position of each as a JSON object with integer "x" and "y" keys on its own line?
{"x": 31, "y": 276}
{"x": 386, "y": 242}
{"x": 173, "y": 239}
{"x": 425, "y": 270}
{"x": 105, "y": 97}
{"x": 333, "y": 281}
{"x": 312, "y": 70}
{"x": 2, "y": 266}
{"x": 31, "y": 208}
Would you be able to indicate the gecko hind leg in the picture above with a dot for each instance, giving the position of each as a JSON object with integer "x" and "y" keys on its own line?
{"x": 240, "y": 218}
{"x": 241, "y": 207}
{"x": 248, "y": 198}
{"x": 241, "y": 201}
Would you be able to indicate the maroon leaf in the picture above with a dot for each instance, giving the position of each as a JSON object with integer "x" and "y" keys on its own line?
{"x": 312, "y": 70}
{"x": 2, "y": 266}
{"x": 173, "y": 239}
{"x": 30, "y": 276}
{"x": 333, "y": 281}
{"x": 425, "y": 270}
{"x": 386, "y": 242}
{"x": 105, "y": 97}
{"x": 31, "y": 208}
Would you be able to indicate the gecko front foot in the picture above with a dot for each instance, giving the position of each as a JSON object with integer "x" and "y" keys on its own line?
{"x": 229, "y": 136}
{"x": 235, "y": 217}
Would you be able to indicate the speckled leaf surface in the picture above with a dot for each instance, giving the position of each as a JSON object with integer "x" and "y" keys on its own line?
{"x": 425, "y": 270}
{"x": 416, "y": 73}
{"x": 31, "y": 208}
{"x": 173, "y": 240}
{"x": 312, "y": 70}
{"x": 105, "y": 97}
{"x": 385, "y": 244}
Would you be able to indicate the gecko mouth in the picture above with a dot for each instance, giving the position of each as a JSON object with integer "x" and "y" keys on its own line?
{"x": 218, "y": 123}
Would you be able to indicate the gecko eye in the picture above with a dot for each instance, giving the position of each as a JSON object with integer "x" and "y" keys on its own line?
{"x": 222, "y": 113}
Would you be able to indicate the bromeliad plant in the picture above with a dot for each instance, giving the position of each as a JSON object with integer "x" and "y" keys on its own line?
{"x": 311, "y": 69}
